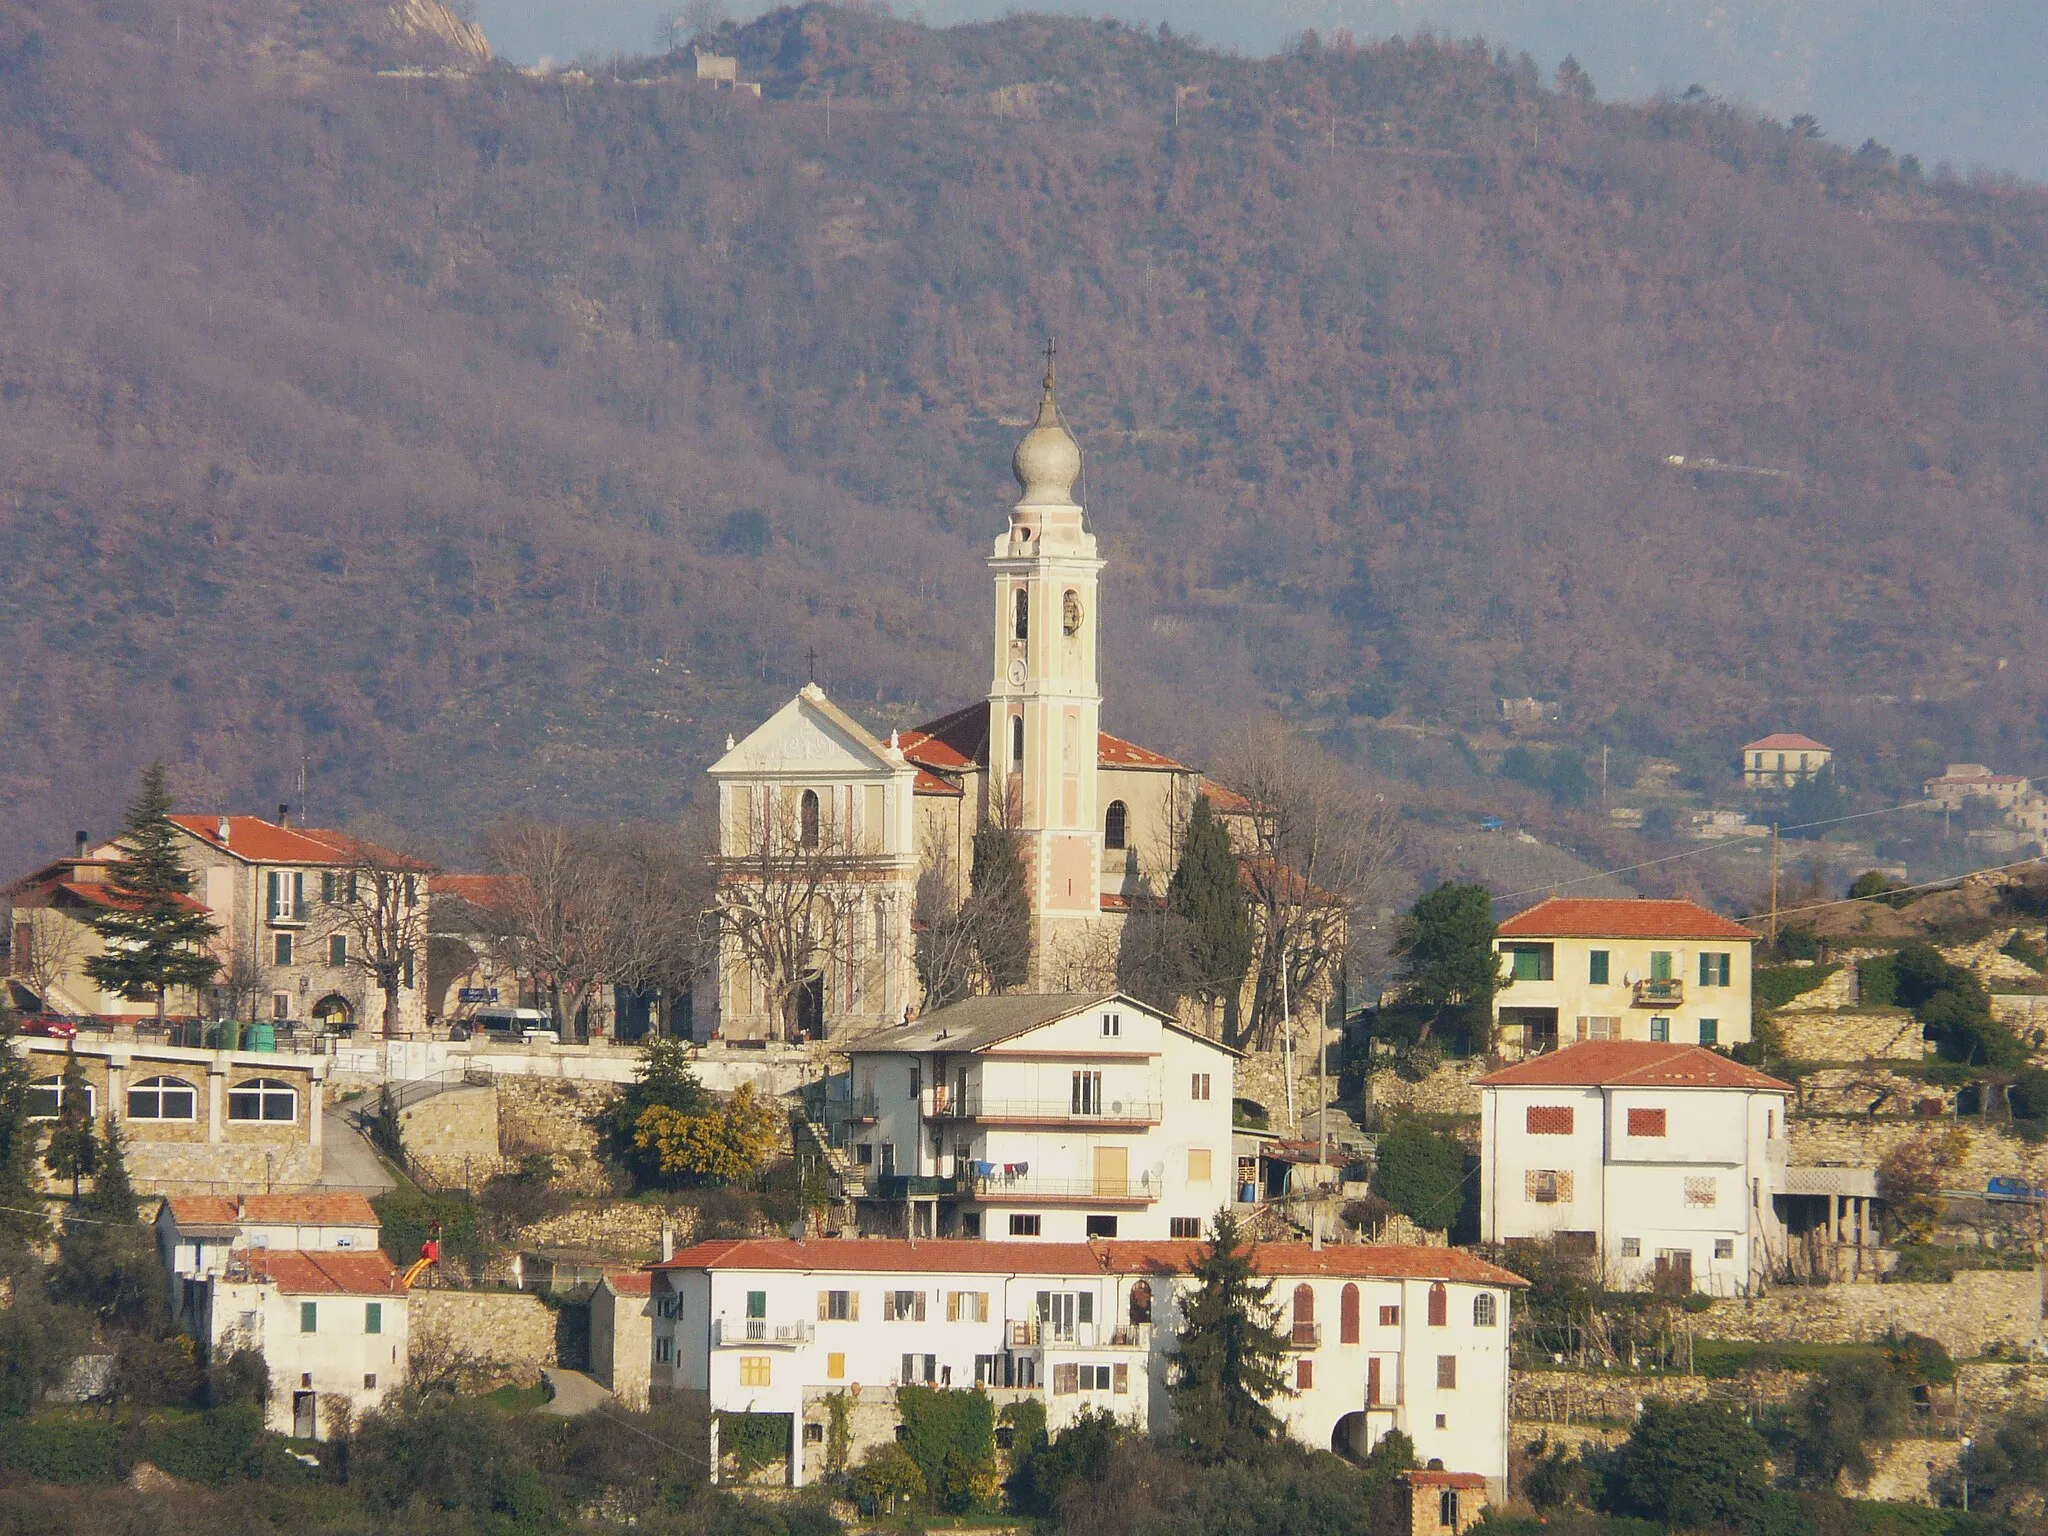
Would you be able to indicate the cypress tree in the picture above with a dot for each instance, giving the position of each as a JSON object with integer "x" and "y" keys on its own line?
{"x": 1230, "y": 1360}
{"x": 21, "y": 1200}
{"x": 154, "y": 940}
{"x": 1206, "y": 898}
{"x": 74, "y": 1149}
{"x": 1000, "y": 910}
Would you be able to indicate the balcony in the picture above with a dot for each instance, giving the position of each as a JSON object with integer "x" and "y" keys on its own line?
{"x": 1112, "y": 1113}
{"x": 1044, "y": 1335}
{"x": 757, "y": 1333}
{"x": 1305, "y": 1336}
{"x": 1659, "y": 994}
{"x": 855, "y": 1109}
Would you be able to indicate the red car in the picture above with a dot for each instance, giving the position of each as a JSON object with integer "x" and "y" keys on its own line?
{"x": 49, "y": 1024}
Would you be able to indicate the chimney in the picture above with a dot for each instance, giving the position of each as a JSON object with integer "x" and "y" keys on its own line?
{"x": 221, "y": 829}
{"x": 241, "y": 1207}
{"x": 668, "y": 1241}
{"x": 78, "y": 841}
{"x": 284, "y": 814}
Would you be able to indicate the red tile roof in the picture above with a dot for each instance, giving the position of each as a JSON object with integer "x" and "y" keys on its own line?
{"x": 310, "y": 1210}
{"x": 1586, "y": 917}
{"x": 630, "y": 1282}
{"x": 262, "y": 842}
{"x": 958, "y": 743}
{"x": 356, "y": 850}
{"x": 297, "y": 1272}
{"x": 1436, "y": 1477}
{"x": 929, "y": 783}
{"x": 1786, "y": 741}
{"x": 1223, "y": 798}
{"x": 1631, "y": 1064}
{"x": 1115, "y": 752}
{"x": 491, "y": 892}
{"x": 863, "y": 1255}
{"x": 100, "y": 894}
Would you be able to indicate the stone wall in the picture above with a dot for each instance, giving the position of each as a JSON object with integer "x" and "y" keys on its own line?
{"x": 1612, "y": 1398}
{"x": 1868, "y": 1090}
{"x": 197, "y": 1168}
{"x": 1448, "y": 1090}
{"x": 1969, "y": 1154}
{"x": 553, "y": 1116}
{"x": 1812, "y": 1034}
{"x": 452, "y": 1137}
{"x": 486, "y": 1337}
{"x": 1976, "y": 1309}
{"x": 1262, "y": 1077}
{"x": 628, "y": 1230}
{"x": 1905, "y": 1471}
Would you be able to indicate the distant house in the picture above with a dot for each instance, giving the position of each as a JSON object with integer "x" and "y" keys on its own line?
{"x": 53, "y": 938}
{"x": 1779, "y": 761}
{"x": 1972, "y": 781}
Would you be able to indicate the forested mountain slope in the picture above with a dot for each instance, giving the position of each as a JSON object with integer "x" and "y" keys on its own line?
{"x": 495, "y": 441}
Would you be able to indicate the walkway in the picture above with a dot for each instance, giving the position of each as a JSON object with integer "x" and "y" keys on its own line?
{"x": 572, "y": 1393}
{"x": 347, "y": 1160}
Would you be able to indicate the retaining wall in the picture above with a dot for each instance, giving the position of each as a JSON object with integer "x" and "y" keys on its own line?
{"x": 495, "y": 1336}
{"x": 1813, "y": 1034}
{"x": 1976, "y": 1309}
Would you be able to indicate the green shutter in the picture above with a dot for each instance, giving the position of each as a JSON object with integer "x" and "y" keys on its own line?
{"x": 1598, "y": 968}
{"x": 273, "y": 884}
{"x": 1660, "y": 965}
{"x": 309, "y": 1317}
{"x": 373, "y": 1317}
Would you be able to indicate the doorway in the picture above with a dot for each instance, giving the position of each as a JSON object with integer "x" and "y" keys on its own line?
{"x": 305, "y": 1419}
{"x": 810, "y": 1007}
{"x": 1112, "y": 1172}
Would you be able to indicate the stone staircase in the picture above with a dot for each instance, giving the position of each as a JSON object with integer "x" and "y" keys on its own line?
{"x": 848, "y": 1180}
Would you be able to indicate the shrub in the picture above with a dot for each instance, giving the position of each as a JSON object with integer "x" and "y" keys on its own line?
{"x": 1877, "y": 979}
{"x": 755, "y": 1438}
{"x": 448, "y": 1453}
{"x": 951, "y": 1435}
{"x": 1421, "y": 1174}
{"x": 64, "y": 1451}
{"x": 220, "y": 1446}
{"x": 887, "y": 1477}
{"x": 2030, "y": 952}
{"x": 1777, "y": 985}
{"x": 1691, "y": 1464}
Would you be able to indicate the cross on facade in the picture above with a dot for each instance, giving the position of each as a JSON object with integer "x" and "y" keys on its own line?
{"x": 811, "y": 659}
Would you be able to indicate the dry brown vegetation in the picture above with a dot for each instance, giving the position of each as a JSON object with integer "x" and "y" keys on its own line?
{"x": 500, "y": 443}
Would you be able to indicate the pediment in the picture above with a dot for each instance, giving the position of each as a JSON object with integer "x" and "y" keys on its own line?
{"x": 807, "y": 737}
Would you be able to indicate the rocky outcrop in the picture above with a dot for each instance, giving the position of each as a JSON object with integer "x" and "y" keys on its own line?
{"x": 432, "y": 23}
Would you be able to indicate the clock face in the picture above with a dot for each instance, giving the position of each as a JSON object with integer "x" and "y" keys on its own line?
{"x": 1016, "y": 674}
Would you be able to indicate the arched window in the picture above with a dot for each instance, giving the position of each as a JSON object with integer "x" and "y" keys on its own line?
{"x": 1022, "y": 604}
{"x": 1347, "y": 1315}
{"x": 807, "y": 816}
{"x": 163, "y": 1098}
{"x": 1016, "y": 738}
{"x": 1482, "y": 1310}
{"x": 1070, "y": 612}
{"x": 1141, "y": 1302}
{"x": 1439, "y": 1306}
{"x": 1116, "y": 825}
{"x": 334, "y": 1012}
{"x": 46, "y": 1099}
{"x": 263, "y": 1098}
{"x": 1304, "y": 1314}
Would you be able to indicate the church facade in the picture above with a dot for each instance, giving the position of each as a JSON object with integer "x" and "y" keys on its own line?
{"x": 826, "y": 831}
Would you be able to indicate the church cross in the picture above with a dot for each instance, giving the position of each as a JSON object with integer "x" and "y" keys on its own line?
{"x": 811, "y": 658}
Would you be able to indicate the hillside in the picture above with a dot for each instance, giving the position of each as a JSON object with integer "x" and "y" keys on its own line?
{"x": 488, "y": 441}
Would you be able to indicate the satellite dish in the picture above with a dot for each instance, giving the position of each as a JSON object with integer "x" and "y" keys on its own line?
{"x": 1116, "y": 1106}
{"x": 1159, "y": 1170}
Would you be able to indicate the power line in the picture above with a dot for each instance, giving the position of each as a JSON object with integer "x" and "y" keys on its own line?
{"x": 1902, "y": 890}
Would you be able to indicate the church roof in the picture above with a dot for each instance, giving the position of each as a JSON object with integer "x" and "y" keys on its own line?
{"x": 958, "y": 743}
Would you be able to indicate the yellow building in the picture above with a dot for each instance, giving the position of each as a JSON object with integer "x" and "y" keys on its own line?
{"x": 1779, "y": 761}
{"x": 1586, "y": 969}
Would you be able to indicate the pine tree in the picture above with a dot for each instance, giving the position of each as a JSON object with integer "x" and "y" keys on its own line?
{"x": 21, "y": 1202}
{"x": 1000, "y": 912}
{"x": 73, "y": 1151}
{"x": 113, "y": 1195}
{"x": 1230, "y": 1361}
{"x": 154, "y": 940}
{"x": 1206, "y": 898}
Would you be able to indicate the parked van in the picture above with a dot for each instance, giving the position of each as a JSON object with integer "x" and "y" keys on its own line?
{"x": 535, "y": 1024}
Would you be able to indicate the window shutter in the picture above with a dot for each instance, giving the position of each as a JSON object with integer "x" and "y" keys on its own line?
{"x": 273, "y": 887}
{"x": 853, "y": 1306}
{"x": 888, "y": 1306}
{"x": 824, "y": 1303}
{"x": 1706, "y": 969}
{"x": 981, "y": 1307}
{"x": 920, "y": 1306}
{"x": 298, "y": 892}
{"x": 952, "y": 1306}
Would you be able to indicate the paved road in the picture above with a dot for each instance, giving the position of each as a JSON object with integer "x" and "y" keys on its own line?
{"x": 348, "y": 1161}
{"x": 574, "y": 1392}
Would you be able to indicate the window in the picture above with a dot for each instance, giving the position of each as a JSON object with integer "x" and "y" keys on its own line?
{"x": 1531, "y": 962}
{"x": 1023, "y": 1226}
{"x": 1631, "y": 1247}
{"x": 1199, "y": 1165}
{"x": 163, "y": 1098}
{"x": 327, "y": 886}
{"x": 1660, "y": 1030}
{"x": 1141, "y": 1303}
{"x": 263, "y": 1098}
{"x": 835, "y": 1366}
{"x": 412, "y": 890}
{"x": 1545, "y": 1186}
{"x": 1447, "y": 1373}
{"x": 1198, "y": 1087}
{"x": 1102, "y": 1226}
{"x": 1439, "y": 1306}
{"x": 337, "y": 950}
{"x": 1390, "y": 1317}
{"x": 370, "y": 1381}
{"x": 1483, "y": 1310}
{"x": 967, "y": 1306}
{"x": 1548, "y": 1120}
{"x": 1101, "y": 1378}
{"x": 1660, "y": 965}
{"x": 1646, "y": 1122}
{"x": 888, "y": 1159}
{"x": 864, "y": 1154}
{"x": 405, "y": 969}
{"x": 754, "y": 1370}
{"x": 373, "y": 1317}
{"x": 1304, "y": 1375}
{"x": 1304, "y": 1314}
{"x": 1447, "y": 1506}
{"x": 814, "y": 1434}
{"x": 1715, "y": 969}
{"x": 1016, "y": 738}
{"x": 1599, "y": 1027}
{"x": 1702, "y": 1191}
{"x": 902, "y": 1306}
{"x": 1121, "y": 1376}
{"x": 1116, "y": 825}
{"x": 309, "y": 1317}
{"x": 1020, "y": 605}
{"x": 280, "y": 1006}
{"x": 664, "y": 1350}
{"x": 1596, "y": 968}
{"x": 1724, "y": 1247}
{"x": 1070, "y": 612}
{"x": 281, "y": 948}
{"x": 1065, "y": 1379}
{"x": 1112, "y": 1026}
{"x": 1710, "y": 1031}
{"x": 1770, "y": 1125}
{"x": 838, "y": 1307}
{"x": 757, "y": 1304}
{"x": 807, "y": 819}
{"x": 1347, "y": 1315}
{"x": 1184, "y": 1226}
{"x": 284, "y": 894}
{"x": 1087, "y": 1093}
{"x": 918, "y": 1368}
{"x": 46, "y": 1099}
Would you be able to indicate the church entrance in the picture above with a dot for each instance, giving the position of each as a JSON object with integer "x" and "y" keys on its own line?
{"x": 810, "y": 1007}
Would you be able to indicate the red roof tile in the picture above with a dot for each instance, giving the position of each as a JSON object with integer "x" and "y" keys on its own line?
{"x": 261, "y": 842}
{"x": 100, "y": 894}
{"x": 929, "y": 783}
{"x": 1224, "y": 798}
{"x": 1436, "y": 1477}
{"x": 1786, "y": 741}
{"x": 950, "y": 743}
{"x": 1585, "y": 917}
{"x": 1631, "y": 1064}
{"x": 297, "y": 1272}
{"x": 959, "y": 1256}
{"x": 630, "y": 1282}
{"x": 356, "y": 850}
{"x": 308, "y": 1210}
{"x": 1115, "y": 752}
{"x": 491, "y": 892}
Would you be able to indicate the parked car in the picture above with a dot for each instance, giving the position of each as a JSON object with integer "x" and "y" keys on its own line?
{"x": 2004, "y": 1188}
{"x": 50, "y": 1024}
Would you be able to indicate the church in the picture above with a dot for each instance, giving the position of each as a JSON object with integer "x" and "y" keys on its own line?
{"x": 827, "y": 832}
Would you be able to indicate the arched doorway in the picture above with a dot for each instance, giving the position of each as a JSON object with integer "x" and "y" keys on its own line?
{"x": 1352, "y": 1437}
{"x": 810, "y": 1007}
{"x": 335, "y": 1013}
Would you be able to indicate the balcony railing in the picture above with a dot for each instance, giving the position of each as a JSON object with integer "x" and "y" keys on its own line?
{"x": 758, "y": 1333}
{"x": 1043, "y": 1335}
{"x": 855, "y": 1109}
{"x": 1305, "y": 1336}
{"x": 997, "y": 1190}
{"x": 1117, "y": 1110}
{"x": 1659, "y": 993}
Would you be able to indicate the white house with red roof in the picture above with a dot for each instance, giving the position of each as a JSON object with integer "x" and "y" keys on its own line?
{"x": 1665, "y": 1162}
{"x": 1782, "y": 759}
{"x": 1581, "y": 968}
{"x": 1380, "y": 1338}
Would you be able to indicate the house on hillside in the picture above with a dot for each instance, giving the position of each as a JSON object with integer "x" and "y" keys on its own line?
{"x": 1579, "y": 968}
{"x": 1036, "y": 1116}
{"x": 53, "y": 937}
{"x": 1781, "y": 760}
{"x": 1379, "y": 1338}
{"x": 1960, "y": 782}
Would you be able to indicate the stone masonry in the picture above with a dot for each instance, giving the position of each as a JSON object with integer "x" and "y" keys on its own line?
{"x": 490, "y": 1336}
{"x": 1978, "y": 1308}
{"x": 1449, "y": 1090}
{"x": 553, "y": 1116}
{"x": 1969, "y": 1154}
{"x": 1812, "y": 1034}
{"x": 627, "y": 1230}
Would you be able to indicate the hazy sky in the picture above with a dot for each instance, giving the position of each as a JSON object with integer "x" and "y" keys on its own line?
{"x": 1955, "y": 80}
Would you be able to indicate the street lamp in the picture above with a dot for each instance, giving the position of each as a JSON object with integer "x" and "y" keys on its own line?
{"x": 1967, "y": 1443}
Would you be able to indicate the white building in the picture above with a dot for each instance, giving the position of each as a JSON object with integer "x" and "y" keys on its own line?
{"x": 1382, "y": 1338}
{"x": 301, "y": 1278}
{"x": 1038, "y": 1115}
{"x": 1665, "y": 1162}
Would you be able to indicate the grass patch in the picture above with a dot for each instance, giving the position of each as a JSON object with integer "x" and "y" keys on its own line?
{"x": 1722, "y": 1358}
{"x": 1927, "y": 1262}
{"x": 518, "y": 1399}
{"x": 1777, "y": 985}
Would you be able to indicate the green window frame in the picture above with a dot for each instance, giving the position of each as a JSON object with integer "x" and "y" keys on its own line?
{"x": 373, "y": 1317}
{"x": 1715, "y": 969}
{"x": 1660, "y": 1031}
{"x": 1710, "y": 1031}
{"x": 1596, "y": 968}
{"x": 757, "y": 1304}
{"x": 309, "y": 1317}
{"x": 1531, "y": 962}
{"x": 1660, "y": 965}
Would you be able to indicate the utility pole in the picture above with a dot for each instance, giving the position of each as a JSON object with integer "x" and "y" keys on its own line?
{"x": 1603, "y": 781}
{"x": 1774, "y": 884}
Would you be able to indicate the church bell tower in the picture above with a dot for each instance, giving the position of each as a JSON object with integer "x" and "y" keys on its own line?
{"x": 1044, "y": 703}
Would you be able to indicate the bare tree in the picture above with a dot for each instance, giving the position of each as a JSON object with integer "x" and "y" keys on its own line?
{"x": 789, "y": 892}
{"x": 379, "y": 909}
{"x": 946, "y": 948}
{"x": 1317, "y": 848}
{"x": 241, "y": 981}
{"x": 563, "y": 909}
{"x": 47, "y": 943}
{"x": 665, "y": 933}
